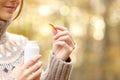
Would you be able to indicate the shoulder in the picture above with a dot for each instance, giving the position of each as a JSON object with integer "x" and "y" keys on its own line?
{"x": 17, "y": 38}
{"x": 12, "y": 48}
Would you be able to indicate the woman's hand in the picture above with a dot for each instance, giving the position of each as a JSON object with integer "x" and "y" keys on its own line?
{"x": 63, "y": 43}
{"x": 29, "y": 71}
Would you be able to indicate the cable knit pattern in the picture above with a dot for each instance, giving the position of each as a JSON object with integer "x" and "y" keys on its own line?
{"x": 57, "y": 69}
{"x": 12, "y": 50}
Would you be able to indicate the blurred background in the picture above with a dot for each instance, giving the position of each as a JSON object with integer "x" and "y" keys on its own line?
{"x": 94, "y": 25}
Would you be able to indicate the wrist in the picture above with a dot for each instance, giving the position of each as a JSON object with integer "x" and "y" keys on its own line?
{"x": 63, "y": 58}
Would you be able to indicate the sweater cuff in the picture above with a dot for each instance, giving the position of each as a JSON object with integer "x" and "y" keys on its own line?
{"x": 68, "y": 60}
{"x": 59, "y": 69}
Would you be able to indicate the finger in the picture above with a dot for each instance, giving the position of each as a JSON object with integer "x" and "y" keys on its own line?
{"x": 32, "y": 69}
{"x": 64, "y": 45}
{"x": 35, "y": 75}
{"x": 54, "y": 31}
{"x": 62, "y": 33}
{"x": 67, "y": 40}
{"x": 68, "y": 36}
{"x": 35, "y": 67}
{"x": 32, "y": 61}
{"x": 61, "y": 28}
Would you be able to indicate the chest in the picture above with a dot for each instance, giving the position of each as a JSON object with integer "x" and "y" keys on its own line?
{"x": 6, "y": 68}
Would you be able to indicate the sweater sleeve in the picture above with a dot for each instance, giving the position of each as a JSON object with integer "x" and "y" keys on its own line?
{"x": 57, "y": 69}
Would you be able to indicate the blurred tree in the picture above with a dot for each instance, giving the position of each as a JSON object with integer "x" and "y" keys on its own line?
{"x": 94, "y": 24}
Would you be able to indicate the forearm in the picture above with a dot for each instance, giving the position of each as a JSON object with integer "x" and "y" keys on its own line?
{"x": 57, "y": 70}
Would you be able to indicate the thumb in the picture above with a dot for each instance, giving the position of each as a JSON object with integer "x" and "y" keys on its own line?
{"x": 54, "y": 31}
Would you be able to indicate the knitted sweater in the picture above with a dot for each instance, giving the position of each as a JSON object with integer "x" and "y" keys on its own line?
{"x": 12, "y": 50}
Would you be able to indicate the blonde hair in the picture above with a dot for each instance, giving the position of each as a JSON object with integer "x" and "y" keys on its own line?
{"x": 20, "y": 9}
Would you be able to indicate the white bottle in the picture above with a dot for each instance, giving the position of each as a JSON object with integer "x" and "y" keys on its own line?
{"x": 31, "y": 49}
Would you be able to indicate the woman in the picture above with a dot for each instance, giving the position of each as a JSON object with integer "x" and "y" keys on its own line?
{"x": 12, "y": 66}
